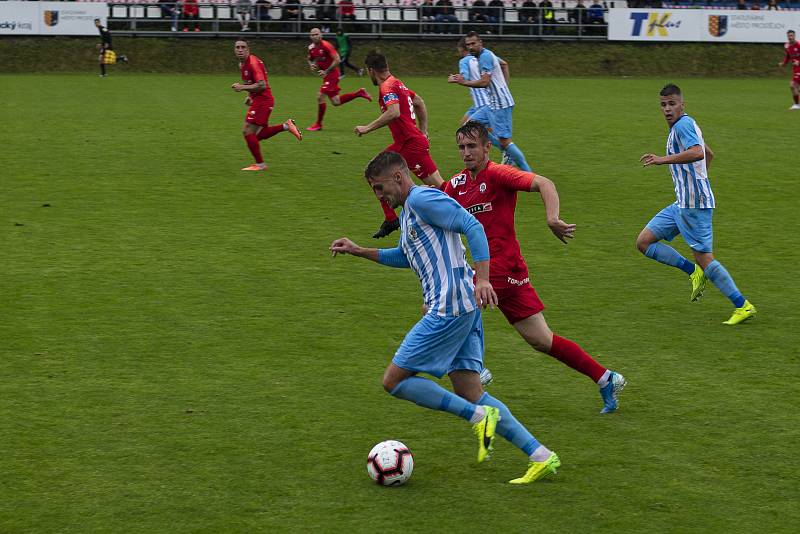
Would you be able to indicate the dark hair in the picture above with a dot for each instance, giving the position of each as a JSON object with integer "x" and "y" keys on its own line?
{"x": 472, "y": 34}
{"x": 242, "y": 40}
{"x": 376, "y": 61}
{"x": 462, "y": 43}
{"x": 670, "y": 89}
{"x": 384, "y": 161}
{"x": 97, "y": 20}
{"x": 474, "y": 130}
{"x": 790, "y": 31}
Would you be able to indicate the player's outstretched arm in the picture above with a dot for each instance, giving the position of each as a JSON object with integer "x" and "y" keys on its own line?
{"x": 393, "y": 257}
{"x": 391, "y": 113}
{"x": 552, "y": 206}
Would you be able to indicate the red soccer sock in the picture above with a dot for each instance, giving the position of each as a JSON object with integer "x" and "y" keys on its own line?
{"x": 321, "y": 112}
{"x": 388, "y": 212}
{"x": 268, "y": 131}
{"x": 255, "y": 148}
{"x": 345, "y": 98}
{"x": 571, "y": 354}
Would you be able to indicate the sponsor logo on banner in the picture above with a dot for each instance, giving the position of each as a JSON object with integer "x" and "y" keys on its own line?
{"x": 653, "y": 23}
{"x": 15, "y": 25}
{"x": 51, "y": 17}
{"x": 717, "y": 25}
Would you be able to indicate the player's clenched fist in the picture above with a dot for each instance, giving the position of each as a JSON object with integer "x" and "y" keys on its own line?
{"x": 343, "y": 246}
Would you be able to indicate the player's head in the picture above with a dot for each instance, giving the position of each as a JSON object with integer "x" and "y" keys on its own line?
{"x": 473, "y": 144}
{"x": 473, "y": 43}
{"x": 389, "y": 176}
{"x": 339, "y": 31}
{"x": 316, "y": 35}
{"x": 376, "y": 64}
{"x": 671, "y": 102}
{"x": 97, "y": 23}
{"x": 241, "y": 48}
{"x": 790, "y": 35}
{"x": 462, "y": 47}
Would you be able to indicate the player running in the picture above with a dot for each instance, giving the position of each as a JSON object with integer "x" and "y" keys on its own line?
{"x": 449, "y": 337}
{"x": 324, "y": 60}
{"x": 501, "y": 103}
{"x": 107, "y": 54}
{"x": 792, "y": 48}
{"x": 690, "y": 216}
{"x": 401, "y": 109}
{"x": 479, "y": 111}
{"x": 489, "y": 192}
{"x": 260, "y": 102}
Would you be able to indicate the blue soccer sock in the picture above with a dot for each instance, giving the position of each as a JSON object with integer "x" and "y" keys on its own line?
{"x": 720, "y": 277}
{"x": 516, "y": 155}
{"x": 429, "y": 394}
{"x": 669, "y": 256}
{"x": 495, "y": 141}
{"x": 510, "y": 428}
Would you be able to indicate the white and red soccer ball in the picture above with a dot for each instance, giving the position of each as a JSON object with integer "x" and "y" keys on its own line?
{"x": 390, "y": 463}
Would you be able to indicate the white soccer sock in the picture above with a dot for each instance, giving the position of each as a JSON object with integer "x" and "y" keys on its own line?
{"x": 603, "y": 382}
{"x": 478, "y": 416}
{"x": 541, "y": 454}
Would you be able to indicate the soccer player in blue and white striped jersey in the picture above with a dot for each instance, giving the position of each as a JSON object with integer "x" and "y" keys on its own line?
{"x": 688, "y": 158}
{"x": 449, "y": 337}
{"x": 494, "y": 79}
{"x": 480, "y": 110}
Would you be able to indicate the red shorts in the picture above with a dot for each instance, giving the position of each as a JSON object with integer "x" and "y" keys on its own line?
{"x": 796, "y": 76}
{"x": 330, "y": 85}
{"x": 418, "y": 157}
{"x": 518, "y": 302}
{"x": 258, "y": 114}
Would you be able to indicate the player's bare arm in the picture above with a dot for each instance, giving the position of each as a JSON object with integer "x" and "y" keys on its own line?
{"x": 345, "y": 246}
{"x": 485, "y": 81}
{"x": 257, "y": 87}
{"x": 484, "y": 292}
{"x": 422, "y": 114}
{"x": 335, "y": 65}
{"x": 709, "y": 156}
{"x": 552, "y": 206}
{"x": 391, "y": 113}
{"x": 690, "y": 155}
{"x": 504, "y": 68}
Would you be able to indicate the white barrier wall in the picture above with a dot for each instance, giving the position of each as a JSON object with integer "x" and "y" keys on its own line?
{"x": 51, "y": 18}
{"x": 709, "y": 25}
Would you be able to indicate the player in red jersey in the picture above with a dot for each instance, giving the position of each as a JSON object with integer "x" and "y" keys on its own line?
{"x": 792, "y": 48}
{"x": 401, "y": 109}
{"x": 489, "y": 192}
{"x": 261, "y": 102}
{"x": 324, "y": 60}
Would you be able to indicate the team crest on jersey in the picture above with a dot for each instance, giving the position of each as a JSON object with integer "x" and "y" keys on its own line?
{"x": 412, "y": 234}
{"x": 482, "y": 187}
{"x": 459, "y": 179}
{"x": 480, "y": 208}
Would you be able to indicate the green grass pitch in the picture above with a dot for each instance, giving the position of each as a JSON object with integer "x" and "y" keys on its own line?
{"x": 181, "y": 354}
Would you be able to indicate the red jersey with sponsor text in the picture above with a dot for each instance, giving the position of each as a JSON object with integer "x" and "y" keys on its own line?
{"x": 253, "y": 70}
{"x": 792, "y": 55}
{"x": 322, "y": 54}
{"x": 404, "y": 128}
{"x": 491, "y": 197}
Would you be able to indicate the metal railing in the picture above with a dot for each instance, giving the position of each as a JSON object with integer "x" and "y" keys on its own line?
{"x": 368, "y": 21}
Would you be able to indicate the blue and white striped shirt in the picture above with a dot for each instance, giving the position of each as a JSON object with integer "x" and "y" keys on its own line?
{"x": 692, "y": 188}
{"x": 432, "y": 223}
{"x": 499, "y": 93}
{"x": 468, "y": 67}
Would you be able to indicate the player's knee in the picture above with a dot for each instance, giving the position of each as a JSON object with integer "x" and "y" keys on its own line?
{"x": 389, "y": 383}
{"x": 642, "y": 243}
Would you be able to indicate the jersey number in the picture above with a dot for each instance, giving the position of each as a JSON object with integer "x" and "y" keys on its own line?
{"x": 411, "y": 108}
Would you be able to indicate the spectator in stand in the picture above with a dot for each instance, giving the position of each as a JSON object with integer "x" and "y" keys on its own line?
{"x": 290, "y": 12}
{"x": 169, "y": 9}
{"x": 347, "y": 10}
{"x": 427, "y": 14}
{"x": 528, "y": 14}
{"x": 191, "y": 11}
{"x": 756, "y": 6}
{"x": 243, "y": 9}
{"x": 496, "y": 8}
{"x": 262, "y": 10}
{"x": 326, "y": 10}
{"x": 772, "y": 5}
{"x": 548, "y": 17}
{"x": 741, "y": 5}
{"x": 479, "y": 12}
{"x": 577, "y": 15}
{"x": 445, "y": 13}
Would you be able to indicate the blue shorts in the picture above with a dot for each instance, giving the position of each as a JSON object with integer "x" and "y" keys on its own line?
{"x": 500, "y": 121}
{"x": 480, "y": 115}
{"x": 439, "y": 345}
{"x": 694, "y": 224}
